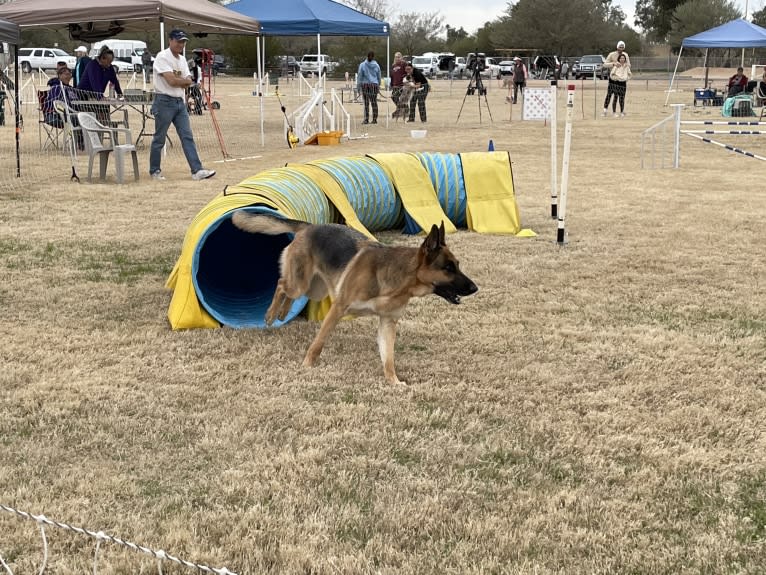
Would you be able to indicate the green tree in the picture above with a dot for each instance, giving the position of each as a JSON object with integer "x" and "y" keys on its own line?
{"x": 695, "y": 16}
{"x": 484, "y": 40}
{"x": 655, "y": 17}
{"x": 574, "y": 27}
{"x": 759, "y": 17}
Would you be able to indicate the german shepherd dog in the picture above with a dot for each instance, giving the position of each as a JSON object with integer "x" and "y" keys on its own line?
{"x": 363, "y": 277}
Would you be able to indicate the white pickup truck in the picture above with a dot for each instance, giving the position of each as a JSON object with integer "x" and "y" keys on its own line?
{"x": 317, "y": 63}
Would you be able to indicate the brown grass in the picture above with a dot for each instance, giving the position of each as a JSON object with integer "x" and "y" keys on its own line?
{"x": 595, "y": 408}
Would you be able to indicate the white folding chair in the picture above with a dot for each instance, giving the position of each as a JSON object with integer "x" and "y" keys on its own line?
{"x": 93, "y": 133}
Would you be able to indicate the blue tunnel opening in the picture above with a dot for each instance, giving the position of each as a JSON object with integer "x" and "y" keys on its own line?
{"x": 235, "y": 272}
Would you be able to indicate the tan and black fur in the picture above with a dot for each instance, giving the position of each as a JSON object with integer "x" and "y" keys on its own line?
{"x": 363, "y": 277}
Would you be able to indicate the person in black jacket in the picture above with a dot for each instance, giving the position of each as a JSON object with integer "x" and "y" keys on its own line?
{"x": 420, "y": 93}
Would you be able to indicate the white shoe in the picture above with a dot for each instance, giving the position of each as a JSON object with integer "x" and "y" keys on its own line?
{"x": 622, "y": 114}
{"x": 616, "y": 114}
{"x": 158, "y": 176}
{"x": 203, "y": 174}
{"x": 604, "y": 112}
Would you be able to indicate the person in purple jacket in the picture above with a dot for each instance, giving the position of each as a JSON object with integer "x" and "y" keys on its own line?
{"x": 99, "y": 73}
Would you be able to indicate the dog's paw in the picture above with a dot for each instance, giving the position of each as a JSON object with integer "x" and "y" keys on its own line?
{"x": 397, "y": 381}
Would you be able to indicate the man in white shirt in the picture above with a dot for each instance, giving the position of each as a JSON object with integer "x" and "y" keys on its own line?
{"x": 171, "y": 77}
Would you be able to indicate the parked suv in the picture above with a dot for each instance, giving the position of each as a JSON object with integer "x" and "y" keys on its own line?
{"x": 492, "y": 69}
{"x": 546, "y": 67}
{"x": 317, "y": 64}
{"x": 43, "y": 58}
{"x": 590, "y": 64}
{"x": 427, "y": 63}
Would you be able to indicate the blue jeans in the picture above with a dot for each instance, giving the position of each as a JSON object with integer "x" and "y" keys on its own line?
{"x": 169, "y": 110}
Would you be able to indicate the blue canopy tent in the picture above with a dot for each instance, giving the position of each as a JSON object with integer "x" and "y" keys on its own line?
{"x": 308, "y": 18}
{"x": 738, "y": 33}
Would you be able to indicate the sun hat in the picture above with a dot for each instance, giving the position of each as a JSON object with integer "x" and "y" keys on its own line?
{"x": 179, "y": 35}
{"x": 620, "y": 44}
{"x": 517, "y": 58}
{"x": 82, "y": 49}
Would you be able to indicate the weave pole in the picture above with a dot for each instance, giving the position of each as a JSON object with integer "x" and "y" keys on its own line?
{"x": 554, "y": 149}
{"x": 561, "y": 233}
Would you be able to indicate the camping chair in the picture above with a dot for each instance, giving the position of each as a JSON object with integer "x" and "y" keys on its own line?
{"x": 93, "y": 133}
{"x": 72, "y": 129}
{"x": 759, "y": 99}
{"x": 48, "y": 134}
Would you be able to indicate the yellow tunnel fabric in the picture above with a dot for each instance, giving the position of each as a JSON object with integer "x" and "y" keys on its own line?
{"x": 302, "y": 192}
{"x": 415, "y": 189}
{"x": 490, "y": 201}
{"x": 335, "y": 194}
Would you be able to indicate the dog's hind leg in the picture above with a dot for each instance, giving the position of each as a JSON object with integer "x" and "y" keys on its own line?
{"x": 330, "y": 321}
{"x": 386, "y": 339}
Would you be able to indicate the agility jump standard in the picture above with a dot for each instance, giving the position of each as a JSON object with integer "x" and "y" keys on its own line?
{"x": 695, "y": 134}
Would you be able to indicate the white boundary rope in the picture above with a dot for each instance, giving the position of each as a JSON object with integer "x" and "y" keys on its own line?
{"x": 100, "y": 536}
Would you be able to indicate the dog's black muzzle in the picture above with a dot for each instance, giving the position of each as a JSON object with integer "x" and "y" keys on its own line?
{"x": 460, "y": 286}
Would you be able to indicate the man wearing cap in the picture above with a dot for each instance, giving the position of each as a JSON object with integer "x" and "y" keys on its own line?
{"x": 612, "y": 61}
{"x": 171, "y": 76}
{"x": 82, "y": 63}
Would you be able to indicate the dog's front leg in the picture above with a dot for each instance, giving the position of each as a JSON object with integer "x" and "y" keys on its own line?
{"x": 330, "y": 321}
{"x": 386, "y": 339}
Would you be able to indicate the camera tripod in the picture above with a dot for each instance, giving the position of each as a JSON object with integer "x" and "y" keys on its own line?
{"x": 476, "y": 86}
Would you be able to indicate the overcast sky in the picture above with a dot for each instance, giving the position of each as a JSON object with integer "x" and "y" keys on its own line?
{"x": 473, "y": 15}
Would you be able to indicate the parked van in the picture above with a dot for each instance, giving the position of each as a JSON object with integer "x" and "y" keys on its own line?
{"x": 125, "y": 50}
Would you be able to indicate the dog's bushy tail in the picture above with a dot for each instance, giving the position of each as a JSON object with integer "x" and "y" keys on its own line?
{"x": 265, "y": 223}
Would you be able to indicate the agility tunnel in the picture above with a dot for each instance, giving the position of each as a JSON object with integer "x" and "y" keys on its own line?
{"x": 225, "y": 276}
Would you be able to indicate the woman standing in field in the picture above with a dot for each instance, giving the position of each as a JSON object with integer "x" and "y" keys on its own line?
{"x": 618, "y": 84}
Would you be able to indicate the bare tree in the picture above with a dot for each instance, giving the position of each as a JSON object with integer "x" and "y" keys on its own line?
{"x": 378, "y": 9}
{"x": 414, "y": 32}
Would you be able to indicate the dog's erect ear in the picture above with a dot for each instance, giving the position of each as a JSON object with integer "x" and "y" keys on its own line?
{"x": 442, "y": 240}
{"x": 432, "y": 243}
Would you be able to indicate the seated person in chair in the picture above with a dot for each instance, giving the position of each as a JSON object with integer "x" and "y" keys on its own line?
{"x": 55, "y": 80}
{"x": 737, "y": 83}
{"x": 64, "y": 92}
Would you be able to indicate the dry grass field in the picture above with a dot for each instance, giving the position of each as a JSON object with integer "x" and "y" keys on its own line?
{"x": 597, "y": 407}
